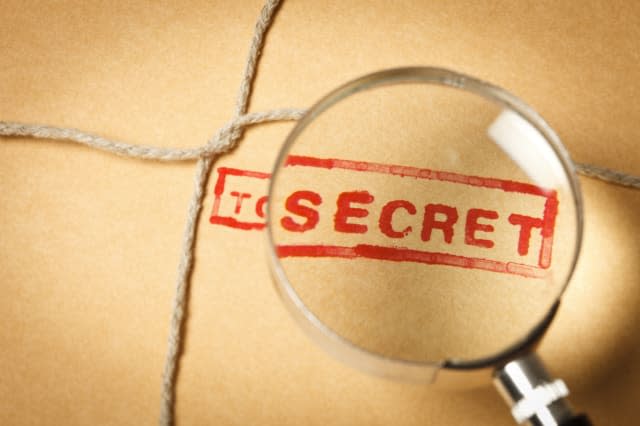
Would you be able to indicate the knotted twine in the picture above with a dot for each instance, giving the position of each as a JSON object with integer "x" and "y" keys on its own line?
{"x": 221, "y": 142}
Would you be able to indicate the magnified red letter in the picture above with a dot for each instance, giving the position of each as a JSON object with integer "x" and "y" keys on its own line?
{"x": 293, "y": 205}
{"x": 525, "y": 223}
{"x": 446, "y": 225}
{"x": 387, "y": 215}
{"x": 345, "y": 211}
{"x": 472, "y": 225}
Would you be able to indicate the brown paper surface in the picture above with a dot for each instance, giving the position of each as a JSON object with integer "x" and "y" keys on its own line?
{"x": 89, "y": 242}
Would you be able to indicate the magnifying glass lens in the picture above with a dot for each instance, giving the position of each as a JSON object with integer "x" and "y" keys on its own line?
{"x": 422, "y": 219}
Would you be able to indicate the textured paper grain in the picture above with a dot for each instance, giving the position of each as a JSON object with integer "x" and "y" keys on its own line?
{"x": 89, "y": 243}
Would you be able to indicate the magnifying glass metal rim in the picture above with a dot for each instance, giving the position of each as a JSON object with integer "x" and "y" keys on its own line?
{"x": 342, "y": 348}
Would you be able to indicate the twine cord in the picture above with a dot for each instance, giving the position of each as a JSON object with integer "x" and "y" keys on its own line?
{"x": 221, "y": 142}
{"x": 608, "y": 175}
{"x": 224, "y": 140}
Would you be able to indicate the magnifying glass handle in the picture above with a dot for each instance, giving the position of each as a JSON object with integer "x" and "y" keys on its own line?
{"x": 579, "y": 420}
{"x": 534, "y": 397}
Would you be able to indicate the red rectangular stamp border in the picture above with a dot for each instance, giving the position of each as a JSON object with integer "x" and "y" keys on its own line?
{"x": 218, "y": 190}
{"x": 400, "y": 253}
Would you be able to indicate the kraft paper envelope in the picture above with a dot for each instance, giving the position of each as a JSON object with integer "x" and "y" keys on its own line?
{"x": 90, "y": 242}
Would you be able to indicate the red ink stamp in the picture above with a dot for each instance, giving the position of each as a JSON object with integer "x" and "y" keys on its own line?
{"x": 236, "y": 203}
{"x": 418, "y": 221}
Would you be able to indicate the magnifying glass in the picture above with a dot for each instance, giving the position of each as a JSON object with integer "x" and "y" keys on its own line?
{"x": 422, "y": 222}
